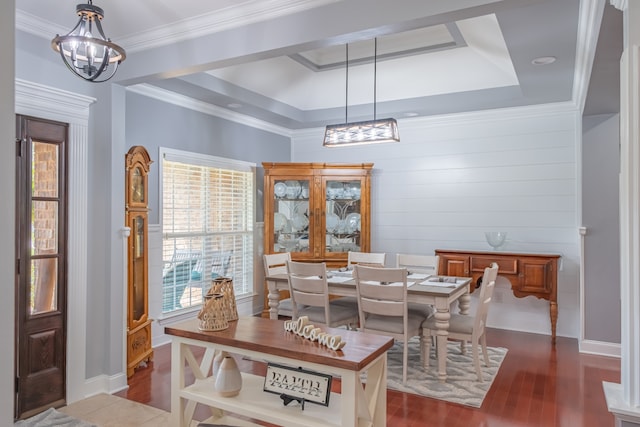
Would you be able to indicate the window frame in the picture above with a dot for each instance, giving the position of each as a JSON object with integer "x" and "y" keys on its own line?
{"x": 205, "y": 160}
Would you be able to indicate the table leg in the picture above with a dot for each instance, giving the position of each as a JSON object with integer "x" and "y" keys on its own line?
{"x": 274, "y": 299}
{"x": 177, "y": 384}
{"x": 464, "y": 302}
{"x": 442, "y": 317}
{"x": 553, "y": 311}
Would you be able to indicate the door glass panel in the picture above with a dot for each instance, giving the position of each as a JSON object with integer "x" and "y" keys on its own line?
{"x": 44, "y": 174}
{"x": 44, "y": 227}
{"x": 291, "y": 215}
{"x": 342, "y": 218}
{"x": 138, "y": 268}
{"x": 44, "y": 285}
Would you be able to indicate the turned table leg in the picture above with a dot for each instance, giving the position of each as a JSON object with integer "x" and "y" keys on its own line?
{"x": 274, "y": 299}
{"x": 464, "y": 303}
{"x": 442, "y": 316}
{"x": 553, "y": 311}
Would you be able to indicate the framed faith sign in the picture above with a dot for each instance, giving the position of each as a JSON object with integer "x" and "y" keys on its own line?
{"x": 298, "y": 384}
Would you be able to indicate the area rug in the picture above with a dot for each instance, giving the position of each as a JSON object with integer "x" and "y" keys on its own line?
{"x": 50, "y": 418}
{"x": 462, "y": 385}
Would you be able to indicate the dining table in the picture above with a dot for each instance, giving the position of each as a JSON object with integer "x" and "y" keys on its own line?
{"x": 437, "y": 291}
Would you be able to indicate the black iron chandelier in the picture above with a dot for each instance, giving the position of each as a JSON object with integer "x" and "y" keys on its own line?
{"x": 86, "y": 51}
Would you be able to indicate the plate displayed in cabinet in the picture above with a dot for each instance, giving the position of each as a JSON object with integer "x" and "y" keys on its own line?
{"x": 353, "y": 222}
{"x": 293, "y": 189}
{"x": 332, "y": 221}
{"x": 279, "y": 221}
{"x": 280, "y": 189}
{"x": 299, "y": 222}
{"x": 335, "y": 190}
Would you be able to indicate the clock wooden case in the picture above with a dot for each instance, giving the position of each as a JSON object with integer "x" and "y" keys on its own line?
{"x": 137, "y": 164}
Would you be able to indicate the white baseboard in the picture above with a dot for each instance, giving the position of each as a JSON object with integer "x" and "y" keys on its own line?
{"x": 600, "y": 348}
{"x": 105, "y": 384}
{"x": 622, "y": 410}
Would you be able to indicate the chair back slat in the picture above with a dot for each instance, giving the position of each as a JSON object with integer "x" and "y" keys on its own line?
{"x": 368, "y": 258}
{"x": 383, "y": 308}
{"x": 427, "y": 264}
{"x": 276, "y": 263}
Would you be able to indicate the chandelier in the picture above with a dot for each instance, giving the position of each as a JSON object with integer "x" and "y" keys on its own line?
{"x": 86, "y": 51}
{"x": 366, "y": 132}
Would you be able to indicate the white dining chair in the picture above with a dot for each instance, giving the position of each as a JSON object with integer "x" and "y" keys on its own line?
{"x": 466, "y": 327}
{"x": 365, "y": 258}
{"x": 382, "y": 306}
{"x": 277, "y": 264}
{"x": 309, "y": 292}
{"x": 419, "y": 264}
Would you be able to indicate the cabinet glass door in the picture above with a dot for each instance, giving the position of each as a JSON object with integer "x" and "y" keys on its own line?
{"x": 291, "y": 215}
{"x": 342, "y": 215}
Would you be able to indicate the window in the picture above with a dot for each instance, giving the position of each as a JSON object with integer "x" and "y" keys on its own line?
{"x": 207, "y": 226}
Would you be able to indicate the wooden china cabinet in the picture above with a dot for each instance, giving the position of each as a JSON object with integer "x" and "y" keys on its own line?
{"x": 137, "y": 163}
{"x": 317, "y": 211}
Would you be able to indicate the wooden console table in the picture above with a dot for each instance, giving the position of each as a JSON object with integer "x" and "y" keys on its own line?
{"x": 266, "y": 340}
{"x": 529, "y": 274}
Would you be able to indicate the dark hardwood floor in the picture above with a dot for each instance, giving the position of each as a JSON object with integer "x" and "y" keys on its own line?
{"x": 538, "y": 384}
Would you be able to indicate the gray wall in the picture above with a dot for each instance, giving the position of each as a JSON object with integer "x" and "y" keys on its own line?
{"x": 600, "y": 215}
{"x": 7, "y": 220}
{"x": 154, "y": 124}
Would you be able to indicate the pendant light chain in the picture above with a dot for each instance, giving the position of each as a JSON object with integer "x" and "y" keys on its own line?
{"x": 375, "y": 69}
{"x": 346, "y": 87}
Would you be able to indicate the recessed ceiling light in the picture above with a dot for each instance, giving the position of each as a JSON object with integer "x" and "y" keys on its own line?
{"x": 410, "y": 114}
{"x": 234, "y": 105}
{"x": 544, "y": 60}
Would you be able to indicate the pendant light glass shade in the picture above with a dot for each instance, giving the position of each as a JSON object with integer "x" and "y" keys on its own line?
{"x": 369, "y": 132}
{"x": 366, "y": 132}
{"x": 85, "y": 50}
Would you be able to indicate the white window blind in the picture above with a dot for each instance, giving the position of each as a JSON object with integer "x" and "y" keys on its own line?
{"x": 207, "y": 225}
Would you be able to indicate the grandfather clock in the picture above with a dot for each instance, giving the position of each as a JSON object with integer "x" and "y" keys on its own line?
{"x": 137, "y": 163}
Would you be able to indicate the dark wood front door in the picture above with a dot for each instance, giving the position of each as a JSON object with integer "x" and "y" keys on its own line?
{"x": 41, "y": 276}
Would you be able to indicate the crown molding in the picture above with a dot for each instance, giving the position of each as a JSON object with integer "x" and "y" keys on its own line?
{"x": 590, "y": 18}
{"x": 38, "y": 26}
{"x": 203, "y": 107}
{"x": 484, "y": 116}
{"x": 192, "y": 27}
{"x": 69, "y": 107}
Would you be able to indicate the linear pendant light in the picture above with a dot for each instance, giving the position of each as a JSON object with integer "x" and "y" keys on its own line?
{"x": 367, "y": 132}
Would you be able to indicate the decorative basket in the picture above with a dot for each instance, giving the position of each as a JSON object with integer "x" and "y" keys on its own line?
{"x": 213, "y": 316}
{"x": 224, "y": 286}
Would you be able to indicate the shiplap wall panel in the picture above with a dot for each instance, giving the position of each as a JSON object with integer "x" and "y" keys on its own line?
{"x": 450, "y": 179}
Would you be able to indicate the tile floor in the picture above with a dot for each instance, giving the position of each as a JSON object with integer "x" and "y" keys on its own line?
{"x": 105, "y": 410}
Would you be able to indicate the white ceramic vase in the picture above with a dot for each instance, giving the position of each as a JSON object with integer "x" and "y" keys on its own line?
{"x": 217, "y": 361}
{"x": 228, "y": 379}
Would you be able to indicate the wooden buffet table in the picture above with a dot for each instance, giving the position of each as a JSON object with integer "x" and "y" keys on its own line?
{"x": 434, "y": 294}
{"x": 529, "y": 274}
{"x": 266, "y": 340}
